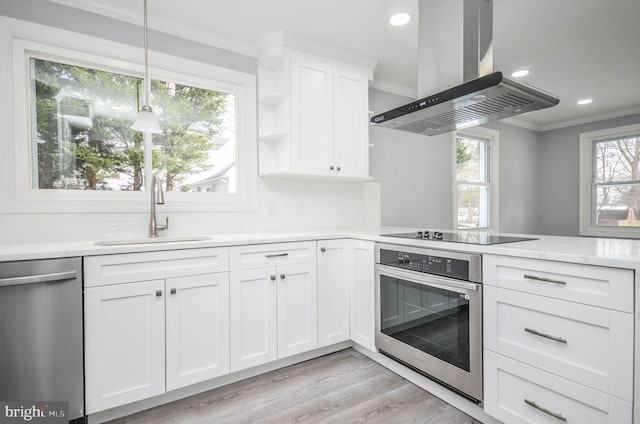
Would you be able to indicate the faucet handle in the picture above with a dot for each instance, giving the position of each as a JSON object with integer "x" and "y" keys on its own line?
{"x": 165, "y": 226}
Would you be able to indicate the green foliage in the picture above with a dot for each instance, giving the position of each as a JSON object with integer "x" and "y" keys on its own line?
{"x": 463, "y": 153}
{"x": 84, "y": 140}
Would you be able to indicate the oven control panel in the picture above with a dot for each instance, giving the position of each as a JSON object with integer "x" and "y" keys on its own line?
{"x": 425, "y": 263}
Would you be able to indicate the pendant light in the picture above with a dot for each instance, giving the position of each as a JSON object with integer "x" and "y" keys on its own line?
{"x": 146, "y": 121}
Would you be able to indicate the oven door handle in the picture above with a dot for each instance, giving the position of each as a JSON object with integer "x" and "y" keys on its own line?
{"x": 426, "y": 279}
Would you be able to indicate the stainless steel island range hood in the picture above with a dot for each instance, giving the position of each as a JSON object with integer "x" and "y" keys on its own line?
{"x": 479, "y": 99}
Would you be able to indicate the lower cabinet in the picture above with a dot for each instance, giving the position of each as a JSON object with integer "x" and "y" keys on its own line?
{"x": 273, "y": 308}
{"x": 362, "y": 297}
{"x": 517, "y": 393}
{"x": 333, "y": 291}
{"x": 558, "y": 342}
{"x": 124, "y": 344}
{"x": 197, "y": 329}
{"x": 145, "y": 338}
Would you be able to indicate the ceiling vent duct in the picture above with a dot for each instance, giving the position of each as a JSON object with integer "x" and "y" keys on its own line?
{"x": 484, "y": 96}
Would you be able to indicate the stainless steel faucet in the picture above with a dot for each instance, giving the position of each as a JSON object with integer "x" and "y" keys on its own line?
{"x": 157, "y": 198}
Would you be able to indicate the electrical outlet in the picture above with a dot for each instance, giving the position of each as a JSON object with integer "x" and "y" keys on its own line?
{"x": 271, "y": 209}
{"x": 301, "y": 209}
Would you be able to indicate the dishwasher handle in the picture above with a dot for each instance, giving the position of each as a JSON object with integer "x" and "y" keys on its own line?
{"x": 42, "y": 278}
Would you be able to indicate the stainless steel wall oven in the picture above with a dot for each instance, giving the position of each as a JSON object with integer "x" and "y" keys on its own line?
{"x": 429, "y": 313}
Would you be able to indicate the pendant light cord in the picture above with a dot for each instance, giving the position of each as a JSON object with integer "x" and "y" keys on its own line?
{"x": 147, "y": 83}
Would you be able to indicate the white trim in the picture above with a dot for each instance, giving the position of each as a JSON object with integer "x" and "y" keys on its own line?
{"x": 586, "y": 174}
{"x": 16, "y": 195}
{"x": 493, "y": 138}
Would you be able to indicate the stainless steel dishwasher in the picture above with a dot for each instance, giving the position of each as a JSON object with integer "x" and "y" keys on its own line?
{"x": 41, "y": 348}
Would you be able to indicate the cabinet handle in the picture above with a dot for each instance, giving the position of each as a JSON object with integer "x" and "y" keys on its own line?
{"x": 330, "y": 167}
{"x": 273, "y": 278}
{"x": 555, "y": 415}
{"x": 545, "y": 279}
{"x": 545, "y": 335}
{"x": 173, "y": 290}
{"x": 158, "y": 293}
{"x": 323, "y": 249}
{"x": 282, "y": 276}
{"x": 276, "y": 255}
{"x": 338, "y": 168}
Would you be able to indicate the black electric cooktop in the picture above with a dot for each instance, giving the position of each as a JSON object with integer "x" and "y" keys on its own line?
{"x": 459, "y": 237}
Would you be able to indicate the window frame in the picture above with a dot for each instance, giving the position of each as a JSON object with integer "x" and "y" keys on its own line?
{"x": 19, "y": 41}
{"x": 492, "y": 137}
{"x": 586, "y": 185}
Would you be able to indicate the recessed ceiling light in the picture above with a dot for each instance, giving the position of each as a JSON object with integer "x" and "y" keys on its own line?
{"x": 584, "y": 101}
{"x": 520, "y": 73}
{"x": 400, "y": 19}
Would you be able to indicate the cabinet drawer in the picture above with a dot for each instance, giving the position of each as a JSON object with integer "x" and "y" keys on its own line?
{"x": 592, "y": 285}
{"x": 589, "y": 345}
{"x": 517, "y": 393}
{"x": 116, "y": 269}
{"x": 265, "y": 255}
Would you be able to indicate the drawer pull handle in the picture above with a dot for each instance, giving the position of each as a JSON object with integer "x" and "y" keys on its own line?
{"x": 277, "y": 255}
{"x": 283, "y": 276}
{"x": 173, "y": 290}
{"x": 545, "y": 279}
{"x": 545, "y": 335}
{"x": 545, "y": 410}
{"x": 273, "y": 278}
{"x": 158, "y": 293}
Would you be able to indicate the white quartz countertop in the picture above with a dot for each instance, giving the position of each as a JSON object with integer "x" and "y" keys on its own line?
{"x": 620, "y": 253}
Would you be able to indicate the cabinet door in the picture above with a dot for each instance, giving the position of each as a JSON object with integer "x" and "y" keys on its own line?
{"x": 351, "y": 126}
{"x": 253, "y": 325}
{"x": 363, "y": 294}
{"x": 333, "y": 291}
{"x": 297, "y": 309}
{"x": 197, "y": 325}
{"x": 124, "y": 344}
{"x": 312, "y": 107}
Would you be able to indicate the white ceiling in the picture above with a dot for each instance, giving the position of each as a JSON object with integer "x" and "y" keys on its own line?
{"x": 575, "y": 48}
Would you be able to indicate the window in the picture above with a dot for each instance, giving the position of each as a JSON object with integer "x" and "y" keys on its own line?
{"x": 71, "y": 147}
{"x": 475, "y": 202}
{"x": 83, "y": 140}
{"x": 610, "y": 182}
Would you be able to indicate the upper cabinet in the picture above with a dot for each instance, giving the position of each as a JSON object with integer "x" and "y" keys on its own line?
{"x": 313, "y": 111}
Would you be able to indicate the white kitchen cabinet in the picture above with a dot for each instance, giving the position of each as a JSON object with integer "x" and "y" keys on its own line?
{"x": 297, "y": 309}
{"x": 143, "y": 338}
{"x": 124, "y": 344}
{"x": 517, "y": 393}
{"x": 333, "y": 291}
{"x": 558, "y": 341}
{"x": 197, "y": 328}
{"x": 273, "y": 308}
{"x": 253, "y": 325}
{"x": 313, "y": 116}
{"x": 363, "y": 294}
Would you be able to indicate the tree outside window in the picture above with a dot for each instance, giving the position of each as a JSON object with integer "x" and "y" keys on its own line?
{"x": 82, "y": 138}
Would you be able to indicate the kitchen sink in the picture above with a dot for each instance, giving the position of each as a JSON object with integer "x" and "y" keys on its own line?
{"x": 149, "y": 240}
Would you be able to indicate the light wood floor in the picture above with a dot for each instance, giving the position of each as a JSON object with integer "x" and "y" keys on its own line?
{"x": 344, "y": 387}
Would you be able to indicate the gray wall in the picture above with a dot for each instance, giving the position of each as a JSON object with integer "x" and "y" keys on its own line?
{"x": 76, "y": 20}
{"x": 558, "y": 179}
{"x": 414, "y": 171}
{"x": 518, "y": 171}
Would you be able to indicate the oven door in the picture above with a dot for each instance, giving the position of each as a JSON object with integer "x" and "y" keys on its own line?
{"x": 433, "y": 324}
